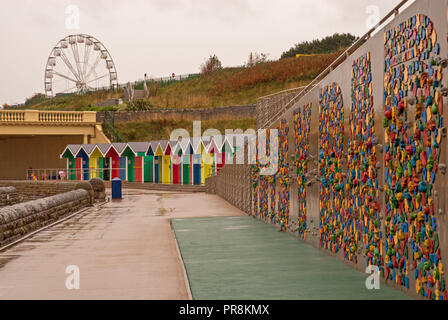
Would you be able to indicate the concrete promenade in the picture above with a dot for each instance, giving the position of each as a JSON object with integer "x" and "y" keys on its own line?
{"x": 124, "y": 250}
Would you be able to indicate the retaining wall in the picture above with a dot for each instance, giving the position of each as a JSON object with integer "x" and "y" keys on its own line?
{"x": 9, "y": 196}
{"x": 18, "y": 220}
{"x": 363, "y": 155}
{"x": 31, "y": 190}
{"x": 221, "y": 113}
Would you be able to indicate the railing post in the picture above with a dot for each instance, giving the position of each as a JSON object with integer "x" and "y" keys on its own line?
{"x": 31, "y": 116}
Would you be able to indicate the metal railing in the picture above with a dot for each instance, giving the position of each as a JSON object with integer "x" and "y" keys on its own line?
{"x": 83, "y": 174}
{"x": 344, "y": 56}
{"x": 73, "y": 173}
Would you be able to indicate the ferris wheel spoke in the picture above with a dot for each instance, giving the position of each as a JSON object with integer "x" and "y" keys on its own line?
{"x": 64, "y": 76}
{"x": 69, "y": 65}
{"x": 67, "y": 90}
{"x": 87, "y": 50}
{"x": 76, "y": 56}
{"x": 98, "y": 78}
{"x": 92, "y": 69}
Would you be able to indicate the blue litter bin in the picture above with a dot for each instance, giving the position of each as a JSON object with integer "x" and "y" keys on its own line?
{"x": 116, "y": 188}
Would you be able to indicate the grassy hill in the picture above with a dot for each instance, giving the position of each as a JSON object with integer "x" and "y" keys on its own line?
{"x": 228, "y": 86}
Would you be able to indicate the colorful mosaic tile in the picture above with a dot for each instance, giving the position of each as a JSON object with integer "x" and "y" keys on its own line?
{"x": 331, "y": 186}
{"x": 283, "y": 195}
{"x": 412, "y": 84}
{"x": 302, "y": 122}
{"x": 361, "y": 219}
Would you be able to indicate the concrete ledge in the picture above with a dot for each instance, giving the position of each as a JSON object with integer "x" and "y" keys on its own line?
{"x": 160, "y": 187}
{"x": 21, "y": 219}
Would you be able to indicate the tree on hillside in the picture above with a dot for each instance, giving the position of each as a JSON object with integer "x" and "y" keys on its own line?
{"x": 326, "y": 45}
{"x": 256, "y": 59}
{"x": 211, "y": 65}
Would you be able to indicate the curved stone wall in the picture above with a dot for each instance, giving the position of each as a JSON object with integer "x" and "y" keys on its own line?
{"x": 20, "y": 219}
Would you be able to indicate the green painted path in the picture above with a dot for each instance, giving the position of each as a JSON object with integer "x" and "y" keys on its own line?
{"x": 244, "y": 258}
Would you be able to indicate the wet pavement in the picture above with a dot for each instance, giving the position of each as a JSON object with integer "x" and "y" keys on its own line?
{"x": 245, "y": 259}
{"x": 124, "y": 250}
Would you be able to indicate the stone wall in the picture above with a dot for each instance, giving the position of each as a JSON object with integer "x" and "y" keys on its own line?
{"x": 20, "y": 219}
{"x": 221, "y": 113}
{"x": 31, "y": 190}
{"x": 9, "y": 196}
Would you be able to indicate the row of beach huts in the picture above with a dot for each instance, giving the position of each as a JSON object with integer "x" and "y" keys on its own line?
{"x": 187, "y": 161}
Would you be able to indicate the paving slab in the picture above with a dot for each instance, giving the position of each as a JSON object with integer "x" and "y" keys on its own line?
{"x": 244, "y": 258}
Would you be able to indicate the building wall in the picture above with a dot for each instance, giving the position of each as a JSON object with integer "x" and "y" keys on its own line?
{"x": 17, "y": 154}
{"x": 322, "y": 200}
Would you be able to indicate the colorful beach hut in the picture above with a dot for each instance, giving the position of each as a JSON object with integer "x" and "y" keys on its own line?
{"x": 117, "y": 164}
{"x": 69, "y": 154}
{"x": 149, "y": 163}
{"x": 187, "y": 160}
{"x": 93, "y": 154}
{"x": 213, "y": 152}
{"x": 197, "y": 160}
{"x": 226, "y": 153}
{"x": 129, "y": 162}
{"x": 139, "y": 149}
{"x": 158, "y": 157}
{"x": 82, "y": 164}
{"x": 166, "y": 161}
{"x": 104, "y": 162}
{"x": 176, "y": 162}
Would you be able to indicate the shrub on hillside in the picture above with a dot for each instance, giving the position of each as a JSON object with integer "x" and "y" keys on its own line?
{"x": 211, "y": 65}
{"x": 139, "y": 105}
{"x": 292, "y": 69}
{"x": 326, "y": 45}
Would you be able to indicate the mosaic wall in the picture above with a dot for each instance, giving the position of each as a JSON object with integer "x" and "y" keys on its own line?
{"x": 331, "y": 186}
{"x": 413, "y": 109}
{"x": 391, "y": 223}
{"x": 255, "y": 178}
{"x": 361, "y": 219}
{"x": 302, "y": 122}
{"x": 264, "y": 185}
{"x": 283, "y": 179}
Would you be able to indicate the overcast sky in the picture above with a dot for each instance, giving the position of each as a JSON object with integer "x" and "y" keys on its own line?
{"x": 159, "y": 37}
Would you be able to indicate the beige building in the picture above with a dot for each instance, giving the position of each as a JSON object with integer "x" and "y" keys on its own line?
{"x": 34, "y": 138}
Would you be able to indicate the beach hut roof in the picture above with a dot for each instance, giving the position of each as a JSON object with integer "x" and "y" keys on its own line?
{"x": 212, "y": 145}
{"x": 138, "y": 147}
{"x": 185, "y": 145}
{"x": 163, "y": 145}
{"x": 175, "y": 146}
{"x": 103, "y": 147}
{"x": 119, "y": 147}
{"x": 195, "y": 143}
{"x": 73, "y": 148}
{"x": 88, "y": 148}
{"x": 154, "y": 145}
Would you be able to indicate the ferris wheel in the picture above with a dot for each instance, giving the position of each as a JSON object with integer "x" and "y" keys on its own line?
{"x": 79, "y": 63}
